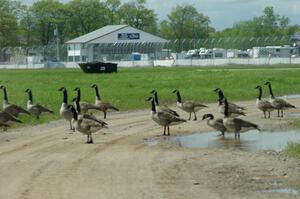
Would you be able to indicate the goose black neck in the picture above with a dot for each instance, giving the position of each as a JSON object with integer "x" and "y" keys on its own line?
{"x": 97, "y": 93}
{"x": 30, "y": 95}
{"x": 75, "y": 115}
{"x": 226, "y": 108}
{"x": 77, "y": 106}
{"x": 178, "y": 97}
{"x": 156, "y": 98}
{"x": 153, "y": 106}
{"x": 271, "y": 92}
{"x": 221, "y": 94}
{"x": 260, "y": 93}
{"x": 65, "y": 96}
{"x": 5, "y": 94}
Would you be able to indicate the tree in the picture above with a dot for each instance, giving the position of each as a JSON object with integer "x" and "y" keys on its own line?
{"x": 8, "y": 23}
{"x": 137, "y": 15}
{"x": 112, "y": 7}
{"x": 185, "y": 21}
{"x": 48, "y": 15}
{"x": 84, "y": 16}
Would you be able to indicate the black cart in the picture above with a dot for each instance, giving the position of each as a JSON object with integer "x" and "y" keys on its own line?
{"x": 98, "y": 67}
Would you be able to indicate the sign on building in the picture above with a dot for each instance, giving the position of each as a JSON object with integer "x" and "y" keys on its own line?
{"x": 128, "y": 36}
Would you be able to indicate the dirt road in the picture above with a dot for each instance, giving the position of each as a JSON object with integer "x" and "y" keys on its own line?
{"x": 46, "y": 161}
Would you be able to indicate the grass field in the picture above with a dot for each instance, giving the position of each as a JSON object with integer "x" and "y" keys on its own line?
{"x": 129, "y": 88}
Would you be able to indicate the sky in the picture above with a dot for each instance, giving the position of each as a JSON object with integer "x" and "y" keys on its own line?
{"x": 224, "y": 13}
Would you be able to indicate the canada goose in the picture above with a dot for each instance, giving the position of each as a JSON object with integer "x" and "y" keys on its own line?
{"x": 103, "y": 106}
{"x": 85, "y": 126}
{"x": 6, "y": 118}
{"x": 64, "y": 111}
{"x": 164, "y": 107}
{"x": 163, "y": 118}
{"x": 84, "y": 115}
{"x": 279, "y": 104}
{"x": 222, "y": 96}
{"x": 35, "y": 109}
{"x": 236, "y": 125}
{"x": 263, "y": 105}
{"x": 188, "y": 106}
{"x": 11, "y": 108}
{"x": 84, "y": 106}
{"x": 234, "y": 110}
{"x": 215, "y": 123}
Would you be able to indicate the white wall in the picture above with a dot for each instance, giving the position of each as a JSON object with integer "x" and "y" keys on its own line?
{"x": 178, "y": 62}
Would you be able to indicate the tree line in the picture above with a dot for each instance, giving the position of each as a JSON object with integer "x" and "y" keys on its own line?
{"x": 47, "y": 20}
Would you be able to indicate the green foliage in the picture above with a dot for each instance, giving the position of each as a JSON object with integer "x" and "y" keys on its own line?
{"x": 269, "y": 24}
{"x": 135, "y": 14}
{"x": 129, "y": 88}
{"x": 8, "y": 23}
{"x": 185, "y": 21}
{"x": 292, "y": 149}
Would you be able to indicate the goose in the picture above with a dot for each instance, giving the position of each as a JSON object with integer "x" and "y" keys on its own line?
{"x": 279, "y": 104}
{"x": 236, "y": 125}
{"x": 164, "y": 118}
{"x": 103, "y": 106}
{"x": 84, "y": 115}
{"x": 35, "y": 109}
{"x": 12, "y": 109}
{"x": 222, "y": 96}
{"x": 163, "y": 107}
{"x": 64, "y": 111}
{"x": 188, "y": 106}
{"x": 84, "y": 125}
{"x": 234, "y": 109}
{"x": 6, "y": 118}
{"x": 84, "y": 106}
{"x": 263, "y": 105}
{"x": 215, "y": 123}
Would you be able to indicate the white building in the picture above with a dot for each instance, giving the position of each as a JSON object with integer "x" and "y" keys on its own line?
{"x": 114, "y": 42}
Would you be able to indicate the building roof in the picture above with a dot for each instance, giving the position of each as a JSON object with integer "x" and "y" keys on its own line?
{"x": 109, "y": 34}
{"x": 96, "y": 34}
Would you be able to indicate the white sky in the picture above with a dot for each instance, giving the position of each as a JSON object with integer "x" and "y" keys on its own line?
{"x": 224, "y": 13}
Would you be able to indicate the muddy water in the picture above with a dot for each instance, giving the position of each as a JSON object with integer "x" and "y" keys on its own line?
{"x": 250, "y": 141}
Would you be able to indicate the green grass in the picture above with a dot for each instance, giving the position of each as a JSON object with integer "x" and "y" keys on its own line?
{"x": 129, "y": 88}
{"x": 292, "y": 149}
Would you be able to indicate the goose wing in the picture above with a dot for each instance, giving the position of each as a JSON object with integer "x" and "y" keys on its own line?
{"x": 245, "y": 124}
{"x": 15, "y": 110}
{"x": 265, "y": 105}
{"x": 218, "y": 124}
{"x": 40, "y": 108}
{"x": 280, "y": 103}
{"x": 93, "y": 118}
{"x": 6, "y": 117}
{"x": 106, "y": 105}
{"x": 169, "y": 118}
{"x": 168, "y": 110}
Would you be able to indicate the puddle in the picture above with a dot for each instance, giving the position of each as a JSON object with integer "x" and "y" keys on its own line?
{"x": 250, "y": 141}
{"x": 286, "y": 97}
{"x": 297, "y": 115}
{"x": 286, "y": 191}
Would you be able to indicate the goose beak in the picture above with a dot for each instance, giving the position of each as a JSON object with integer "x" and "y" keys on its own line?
{"x": 216, "y": 90}
{"x": 74, "y": 99}
{"x": 152, "y": 92}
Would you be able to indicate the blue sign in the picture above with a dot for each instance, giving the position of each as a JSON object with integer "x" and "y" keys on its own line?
{"x": 128, "y": 36}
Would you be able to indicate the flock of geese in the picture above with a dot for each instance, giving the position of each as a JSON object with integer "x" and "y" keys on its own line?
{"x": 81, "y": 120}
{"x": 166, "y": 117}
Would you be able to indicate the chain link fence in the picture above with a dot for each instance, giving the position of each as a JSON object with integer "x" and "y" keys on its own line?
{"x": 122, "y": 52}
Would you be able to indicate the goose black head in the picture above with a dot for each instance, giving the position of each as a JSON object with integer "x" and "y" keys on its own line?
{"x": 149, "y": 99}
{"x": 62, "y": 89}
{"x": 217, "y": 90}
{"x": 74, "y": 99}
{"x": 267, "y": 83}
{"x": 152, "y": 92}
{"x": 94, "y": 86}
{"x": 175, "y": 91}
{"x": 76, "y": 89}
{"x": 27, "y": 90}
{"x": 257, "y": 87}
{"x": 209, "y": 115}
{"x": 2, "y": 87}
